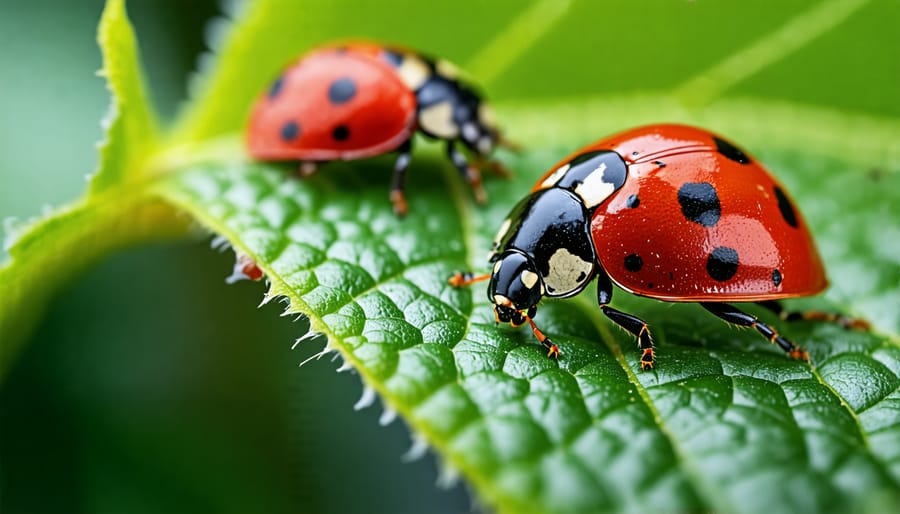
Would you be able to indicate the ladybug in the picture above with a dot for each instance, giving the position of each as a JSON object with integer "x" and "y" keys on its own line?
{"x": 670, "y": 212}
{"x": 363, "y": 99}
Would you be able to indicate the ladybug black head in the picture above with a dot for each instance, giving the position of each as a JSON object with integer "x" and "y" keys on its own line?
{"x": 515, "y": 289}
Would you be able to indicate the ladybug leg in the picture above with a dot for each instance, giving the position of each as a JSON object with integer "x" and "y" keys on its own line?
{"x": 552, "y": 349}
{"x": 504, "y": 142}
{"x": 840, "y": 319}
{"x": 398, "y": 198}
{"x": 496, "y": 167}
{"x": 733, "y": 315}
{"x": 633, "y": 324}
{"x": 469, "y": 173}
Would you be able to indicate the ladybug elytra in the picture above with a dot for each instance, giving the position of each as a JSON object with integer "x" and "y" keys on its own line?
{"x": 670, "y": 212}
{"x": 363, "y": 99}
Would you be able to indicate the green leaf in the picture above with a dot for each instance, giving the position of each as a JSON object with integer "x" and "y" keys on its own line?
{"x": 131, "y": 132}
{"x": 726, "y": 423}
{"x": 116, "y": 213}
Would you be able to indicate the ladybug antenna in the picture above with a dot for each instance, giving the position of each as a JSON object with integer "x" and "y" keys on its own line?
{"x": 466, "y": 279}
{"x": 552, "y": 349}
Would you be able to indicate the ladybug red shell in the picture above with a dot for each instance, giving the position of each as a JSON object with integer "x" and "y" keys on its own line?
{"x": 362, "y": 99}
{"x": 670, "y": 212}
{"x": 737, "y": 235}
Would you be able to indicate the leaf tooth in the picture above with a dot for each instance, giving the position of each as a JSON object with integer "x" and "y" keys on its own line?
{"x": 233, "y": 8}
{"x": 366, "y": 400}
{"x": 274, "y": 294}
{"x": 345, "y": 366}
{"x": 237, "y": 274}
{"x": 448, "y": 476}
{"x": 216, "y": 31}
{"x": 305, "y": 337}
{"x": 388, "y": 415}
{"x": 219, "y": 243}
{"x": 325, "y": 351}
{"x": 13, "y": 227}
{"x": 418, "y": 449}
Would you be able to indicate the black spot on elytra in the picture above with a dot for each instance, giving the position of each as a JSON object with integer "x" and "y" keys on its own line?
{"x": 700, "y": 203}
{"x": 722, "y": 263}
{"x": 649, "y": 285}
{"x": 633, "y": 201}
{"x": 730, "y": 151}
{"x": 634, "y": 263}
{"x": 776, "y": 277}
{"x": 275, "y": 88}
{"x": 784, "y": 205}
{"x": 342, "y": 90}
{"x": 290, "y": 131}
{"x": 660, "y": 164}
{"x": 340, "y": 133}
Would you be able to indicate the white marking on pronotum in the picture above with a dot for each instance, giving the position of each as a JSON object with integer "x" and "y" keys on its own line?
{"x": 567, "y": 272}
{"x": 529, "y": 278}
{"x": 413, "y": 71}
{"x": 594, "y": 189}
{"x": 418, "y": 449}
{"x": 555, "y": 176}
{"x": 366, "y": 400}
{"x": 387, "y": 416}
{"x": 497, "y": 266}
{"x": 438, "y": 120}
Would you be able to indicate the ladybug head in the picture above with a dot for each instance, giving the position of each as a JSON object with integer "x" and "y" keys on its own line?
{"x": 515, "y": 289}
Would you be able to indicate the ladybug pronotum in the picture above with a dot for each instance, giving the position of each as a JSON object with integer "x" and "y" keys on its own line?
{"x": 670, "y": 212}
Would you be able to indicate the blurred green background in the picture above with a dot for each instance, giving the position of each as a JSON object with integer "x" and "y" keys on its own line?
{"x": 150, "y": 386}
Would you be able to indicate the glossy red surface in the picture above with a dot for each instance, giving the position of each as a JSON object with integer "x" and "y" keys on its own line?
{"x": 674, "y": 250}
{"x": 378, "y": 117}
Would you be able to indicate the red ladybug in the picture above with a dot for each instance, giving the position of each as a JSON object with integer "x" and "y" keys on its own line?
{"x": 670, "y": 212}
{"x": 362, "y": 99}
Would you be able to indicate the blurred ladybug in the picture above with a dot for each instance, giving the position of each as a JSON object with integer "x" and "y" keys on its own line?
{"x": 362, "y": 99}
{"x": 670, "y": 212}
